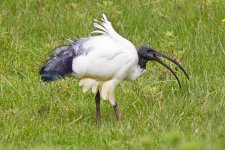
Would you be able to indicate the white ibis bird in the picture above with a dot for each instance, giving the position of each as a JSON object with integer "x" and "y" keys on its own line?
{"x": 101, "y": 62}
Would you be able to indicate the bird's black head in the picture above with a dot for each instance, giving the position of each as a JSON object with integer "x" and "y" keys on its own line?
{"x": 147, "y": 53}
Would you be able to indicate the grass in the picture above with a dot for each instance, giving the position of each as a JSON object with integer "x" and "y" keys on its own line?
{"x": 156, "y": 114}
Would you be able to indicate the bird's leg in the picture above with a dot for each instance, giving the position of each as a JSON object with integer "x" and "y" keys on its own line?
{"x": 98, "y": 114}
{"x": 117, "y": 112}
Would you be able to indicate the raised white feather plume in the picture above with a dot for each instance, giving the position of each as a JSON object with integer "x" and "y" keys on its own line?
{"x": 105, "y": 27}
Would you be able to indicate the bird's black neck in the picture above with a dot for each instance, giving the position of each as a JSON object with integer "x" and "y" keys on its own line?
{"x": 142, "y": 61}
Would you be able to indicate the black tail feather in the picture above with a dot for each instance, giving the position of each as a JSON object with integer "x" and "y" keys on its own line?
{"x": 58, "y": 66}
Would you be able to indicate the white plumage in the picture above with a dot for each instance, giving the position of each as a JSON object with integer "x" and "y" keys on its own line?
{"x": 110, "y": 60}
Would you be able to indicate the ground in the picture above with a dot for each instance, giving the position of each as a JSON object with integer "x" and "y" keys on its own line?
{"x": 156, "y": 113}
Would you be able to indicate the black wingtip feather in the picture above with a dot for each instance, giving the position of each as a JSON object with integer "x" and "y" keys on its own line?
{"x": 48, "y": 76}
{"x": 59, "y": 71}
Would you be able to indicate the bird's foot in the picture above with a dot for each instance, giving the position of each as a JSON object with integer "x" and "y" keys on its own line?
{"x": 117, "y": 113}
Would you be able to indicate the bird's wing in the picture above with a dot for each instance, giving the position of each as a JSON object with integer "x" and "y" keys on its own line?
{"x": 107, "y": 53}
{"x": 91, "y": 55}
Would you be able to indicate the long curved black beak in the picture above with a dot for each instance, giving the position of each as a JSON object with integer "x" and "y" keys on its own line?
{"x": 153, "y": 56}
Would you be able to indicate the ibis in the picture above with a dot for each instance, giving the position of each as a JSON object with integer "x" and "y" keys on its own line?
{"x": 102, "y": 61}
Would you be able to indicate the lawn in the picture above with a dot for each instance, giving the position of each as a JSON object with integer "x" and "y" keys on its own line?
{"x": 156, "y": 113}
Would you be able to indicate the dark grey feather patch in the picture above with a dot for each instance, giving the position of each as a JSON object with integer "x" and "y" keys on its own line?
{"x": 60, "y": 63}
